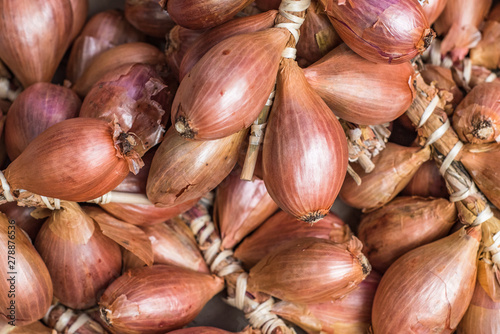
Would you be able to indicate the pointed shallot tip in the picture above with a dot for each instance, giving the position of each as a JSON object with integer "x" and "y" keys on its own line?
{"x": 313, "y": 217}
{"x": 104, "y": 315}
{"x": 182, "y": 127}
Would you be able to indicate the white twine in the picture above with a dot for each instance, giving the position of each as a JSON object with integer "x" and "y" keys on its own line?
{"x": 206, "y": 233}
{"x": 220, "y": 257}
{"x": 257, "y": 131}
{"x": 463, "y": 194}
{"x": 483, "y": 216}
{"x": 212, "y": 251}
{"x": 46, "y": 316}
{"x": 241, "y": 288}
{"x": 64, "y": 320}
{"x": 82, "y": 320}
{"x": 494, "y": 249}
{"x": 262, "y": 318}
{"x": 436, "y": 135}
{"x": 6, "y": 188}
{"x": 198, "y": 223}
{"x": 270, "y": 99}
{"x": 104, "y": 199}
{"x": 293, "y": 27}
{"x": 429, "y": 111}
{"x": 447, "y": 62}
{"x": 467, "y": 70}
{"x": 46, "y": 201}
{"x": 491, "y": 77}
{"x": 450, "y": 157}
{"x": 289, "y": 53}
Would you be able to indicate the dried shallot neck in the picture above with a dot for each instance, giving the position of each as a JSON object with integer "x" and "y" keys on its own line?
{"x": 364, "y": 142}
{"x": 66, "y": 320}
{"x": 433, "y": 125}
{"x": 223, "y": 264}
{"x": 291, "y": 17}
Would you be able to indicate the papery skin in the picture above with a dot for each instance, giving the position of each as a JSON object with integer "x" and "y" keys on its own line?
{"x": 33, "y": 286}
{"x": 317, "y": 36}
{"x": 305, "y": 150}
{"x": 460, "y": 21}
{"x": 240, "y": 207}
{"x": 148, "y": 17}
{"x": 382, "y": 31}
{"x": 77, "y": 160}
{"x": 128, "y": 236}
{"x": 22, "y": 216}
{"x": 157, "y": 299}
{"x": 358, "y": 90}
{"x": 443, "y": 79}
{"x": 173, "y": 243}
{"x": 432, "y": 9}
{"x": 37, "y": 108}
{"x": 428, "y": 289}
{"x": 287, "y": 272}
{"x": 349, "y": 315}
{"x": 146, "y": 215}
{"x": 35, "y": 35}
{"x": 137, "y": 98}
{"x": 283, "y": 227}
{"x": 183, "y": 170}
{"x": 394, "y": 168}
{"x": 227, "y": 89}
{"x": 212, "y": 37}
{"x": 81, "y": 260}
{"x": 203, "y": 14}
{"x": 402, "y": 225}
{"x": 179, "y": 40}
{"x": 129, "y": 53}
{"x": 482, "y": 315}
{"x": 481, "y": 161}
{"x": 102, "y": 32}
{"x": 477, "y": 119}
{"x": 427, "y": 182}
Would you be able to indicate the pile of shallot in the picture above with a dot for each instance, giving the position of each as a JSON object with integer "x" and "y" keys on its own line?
{"x": 155, "y": 156}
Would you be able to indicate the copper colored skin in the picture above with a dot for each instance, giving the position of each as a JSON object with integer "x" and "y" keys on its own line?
{"x": 428, "y": 289}
{"x": 357, "y": 90}
{"x": 402, "y": 225}
{"x": 240, "y": 207}
{"x": 31, "y": 289}
{"x": 304, "y": 151}
{"x": 203, "y": 14}
{"x": 282, "y": 227}
{"x": 155, "y": 300}
{"x": 382, "y": 31}
{"x": 288, "y": 271}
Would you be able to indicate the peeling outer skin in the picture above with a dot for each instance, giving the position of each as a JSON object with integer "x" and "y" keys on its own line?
{"x": 369, "y": 28}
{"x": 183, "y": 170}
{"x": 124, "y": 144}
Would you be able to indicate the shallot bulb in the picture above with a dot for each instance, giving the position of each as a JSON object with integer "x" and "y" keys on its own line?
{"x": 78, "y": 159}
{"x": 226, "y": 90}
{"x": 428, "y": 289}
{"x": 304, "y": 150}
{"x": 36, "y": 109}
{"x": 158, "y": 299}
{"x": 382, "y": 31}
